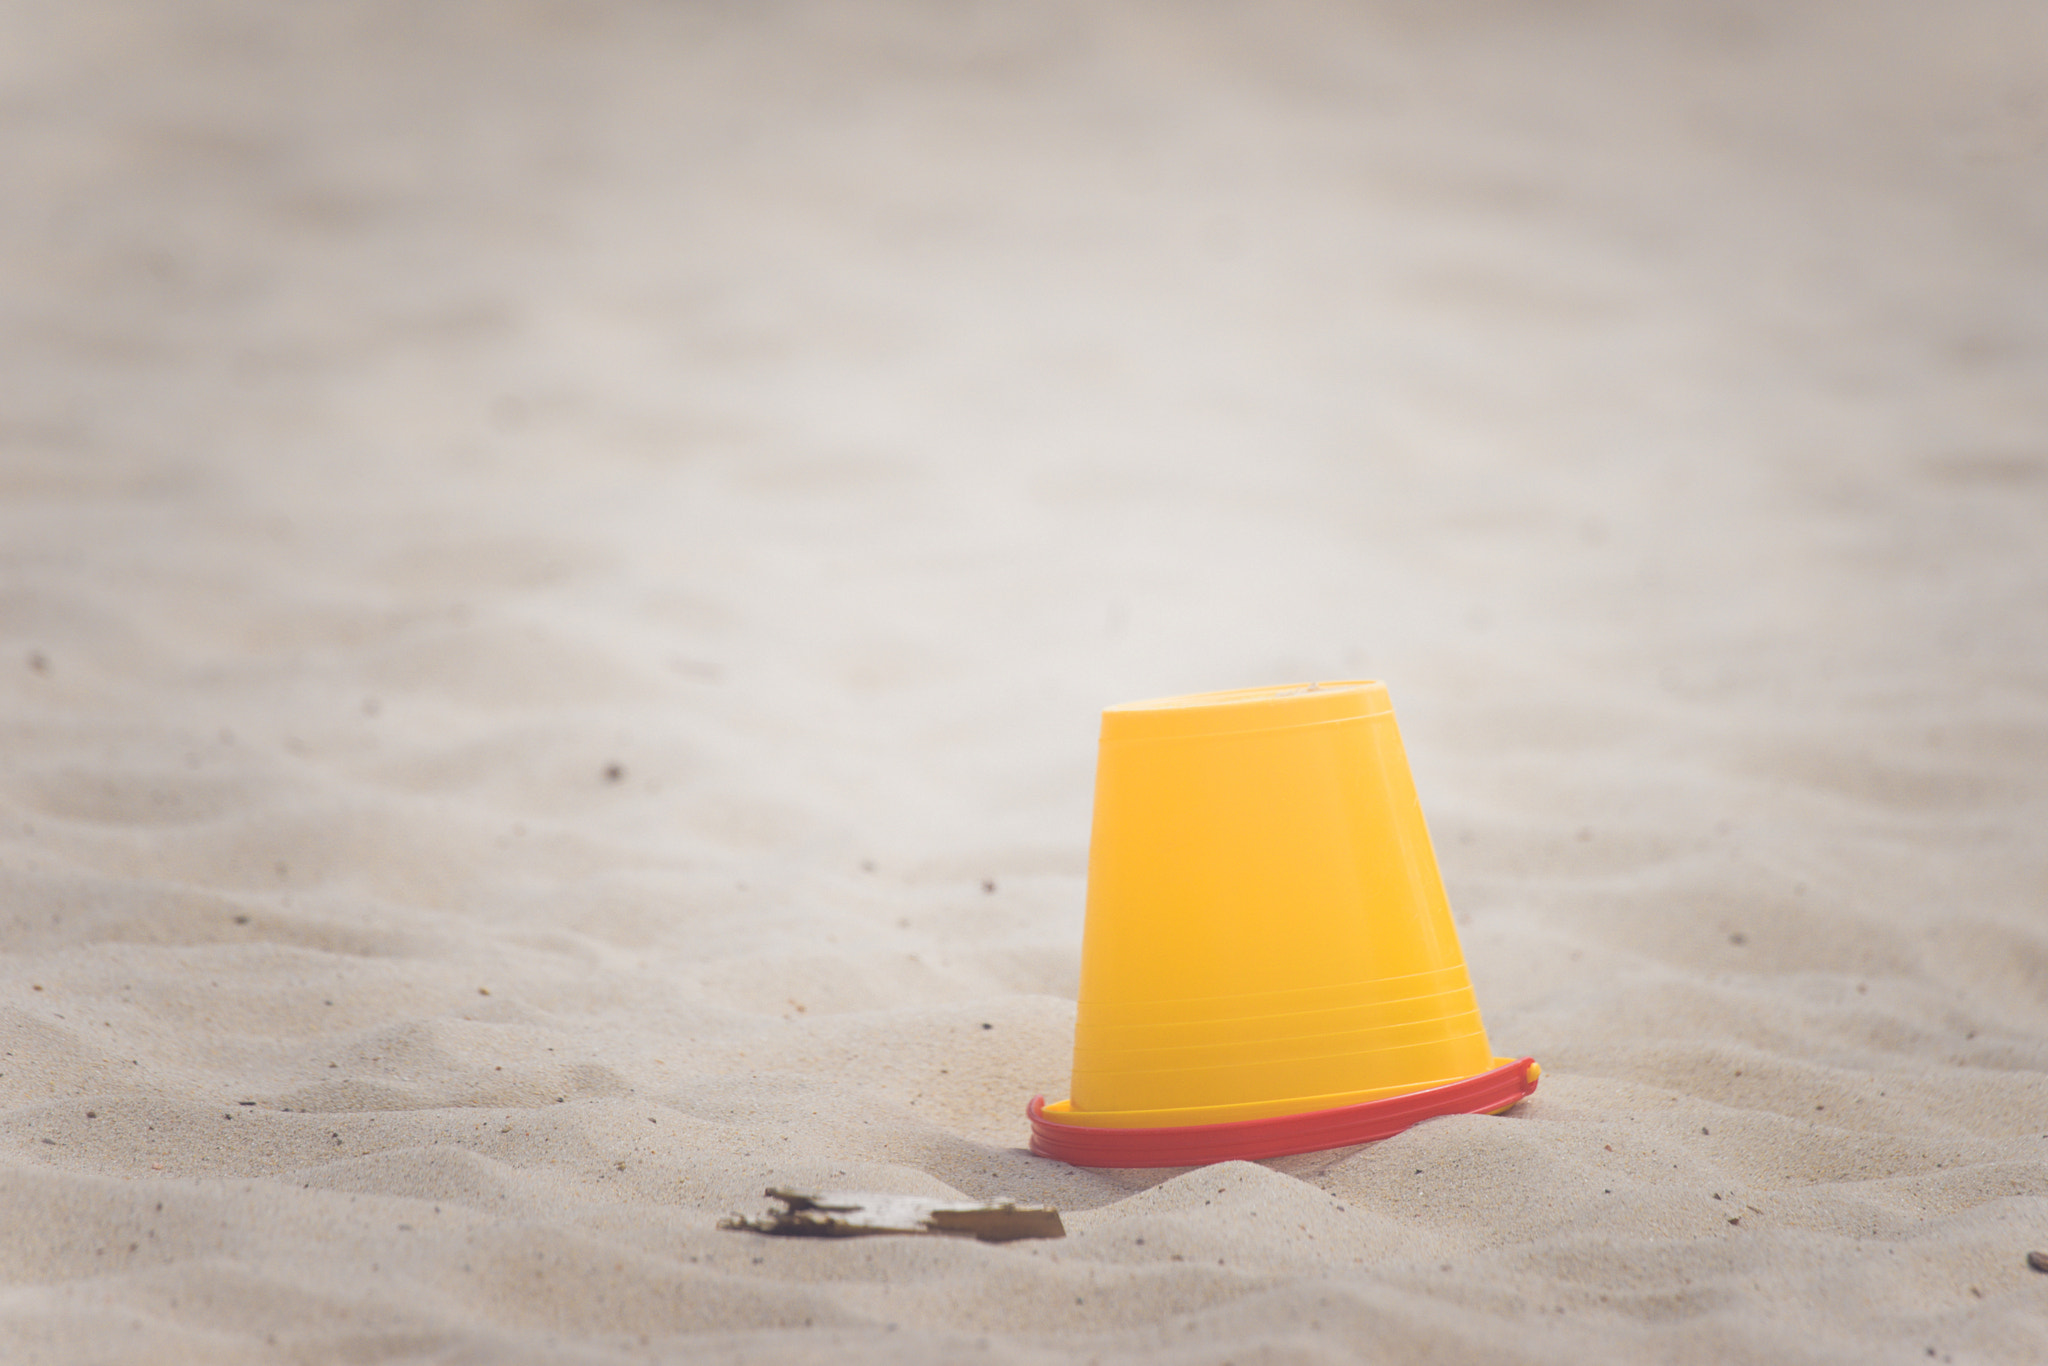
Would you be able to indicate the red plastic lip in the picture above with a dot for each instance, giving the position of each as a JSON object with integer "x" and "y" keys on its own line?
{"x": 1195, "y": 1145}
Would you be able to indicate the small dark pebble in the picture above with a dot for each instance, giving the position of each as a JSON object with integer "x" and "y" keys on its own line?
{"x": 988, "y": 884}
{"x": 51, "y": 1141}
{"x": 1738, "y": 939}
{"x": 245, "y": 1102}
{"x": 614, "y": 772}
{"x": 241, "y": 920}
{"x": 988, "y": 1026}
{"x": 2036, "y": 1260}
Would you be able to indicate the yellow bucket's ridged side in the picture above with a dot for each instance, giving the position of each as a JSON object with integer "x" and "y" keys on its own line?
{"x": 1267, "y": 932}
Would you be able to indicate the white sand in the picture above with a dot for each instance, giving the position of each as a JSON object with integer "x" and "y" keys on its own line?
{"x": 819, "y": 412}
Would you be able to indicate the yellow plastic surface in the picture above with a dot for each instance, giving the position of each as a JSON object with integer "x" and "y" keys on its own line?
{"x": 1267, "y": 933}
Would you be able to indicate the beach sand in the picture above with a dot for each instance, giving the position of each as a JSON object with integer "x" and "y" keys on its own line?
{"x": 562, "y": 562}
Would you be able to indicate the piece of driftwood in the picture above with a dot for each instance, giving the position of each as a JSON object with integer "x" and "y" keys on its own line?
{"x": 855, "y": 1215}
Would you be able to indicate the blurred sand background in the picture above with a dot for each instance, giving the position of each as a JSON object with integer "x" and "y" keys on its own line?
{"x": 561, "y": 560}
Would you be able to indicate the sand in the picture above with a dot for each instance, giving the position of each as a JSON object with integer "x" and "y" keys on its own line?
{"x": 561, "y": 563}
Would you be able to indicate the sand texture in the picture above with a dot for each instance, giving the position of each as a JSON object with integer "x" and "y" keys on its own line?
{"x": 561, "y": 562}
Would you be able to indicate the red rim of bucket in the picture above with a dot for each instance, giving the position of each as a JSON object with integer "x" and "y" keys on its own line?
{"x": 1195, "y": 1145}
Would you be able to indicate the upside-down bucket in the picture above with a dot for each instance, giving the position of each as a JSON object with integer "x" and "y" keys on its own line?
{"x": 1268, "y": 964}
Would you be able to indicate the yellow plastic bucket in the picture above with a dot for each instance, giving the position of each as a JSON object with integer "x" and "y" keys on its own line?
{"x": 1267, "y": 936}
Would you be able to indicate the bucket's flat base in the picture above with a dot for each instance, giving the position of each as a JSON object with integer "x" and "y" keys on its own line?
{"x": 1195, "y": 1145}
